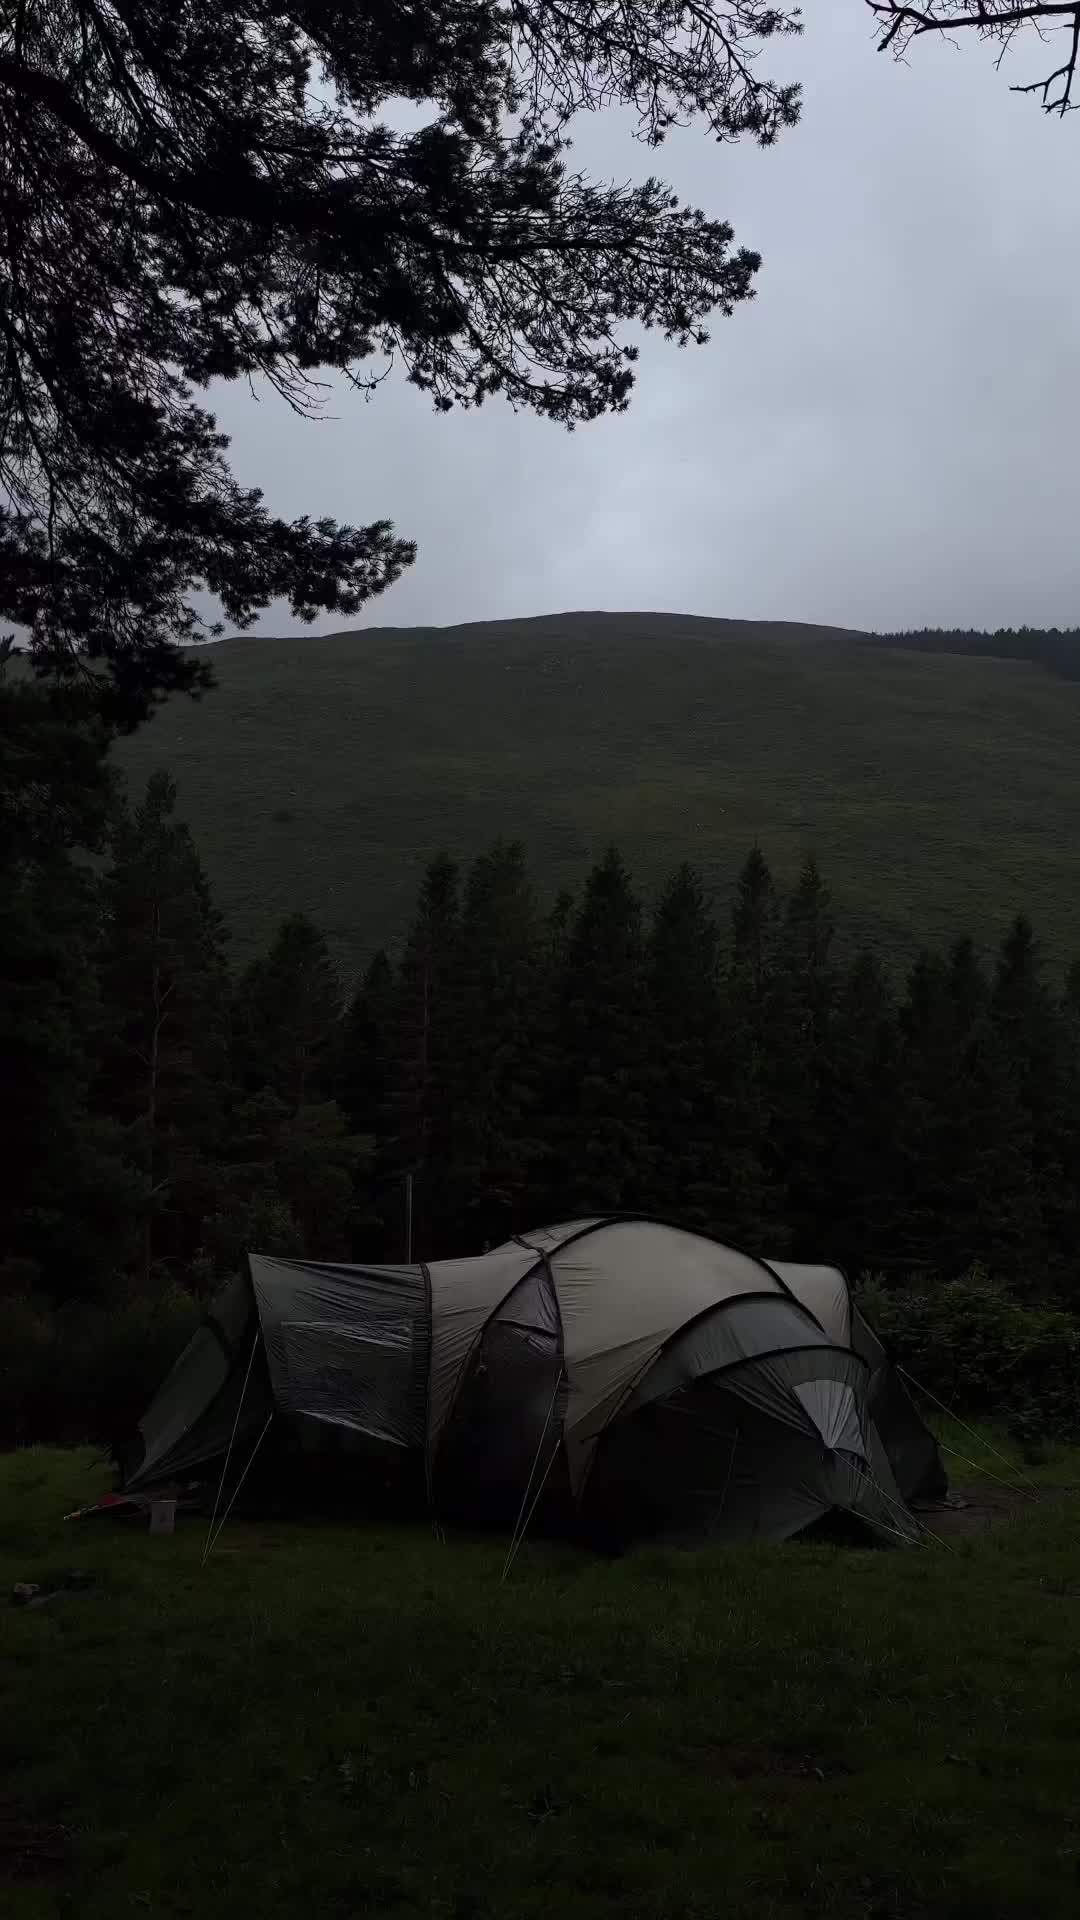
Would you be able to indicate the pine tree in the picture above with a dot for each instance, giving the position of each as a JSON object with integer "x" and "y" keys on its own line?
{"x": 964, "y": 1142}
{"x": 596, "y": 1095}
{"x": 291, "y": 1181}
{"x": 287, "y": 1017}
{"x": 859, "y": 1166}
{"x": 365, "y": 1036}
{"x": 808, "y": 936}
{"x": 796, "y": 1053}
{"x": 1071, "y": 995}
{"x": 415, "y": 1135}
{"x": 755, "y": 927}
{"x": 65, "y": 1198}
{"x": 166, "y": 984}
{"x": 931, "y": 1226}
{"x": 753, "y": 1177}
{"x": 542, "y": 1196}
{"x": 1031, "y": 1042}
{"x": 684, "y": 1012}
{"x": 493, "y": 1065}
{"x": 1065, "y": 1219}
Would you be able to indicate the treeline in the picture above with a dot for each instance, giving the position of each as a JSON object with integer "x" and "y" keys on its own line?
{"x": 716, "y": 1063}
{"x": 1055, "y": 648}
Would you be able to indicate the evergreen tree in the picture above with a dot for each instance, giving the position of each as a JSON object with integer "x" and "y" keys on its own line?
{"x": 290, "y": 1182}
{"x": 755, "y": 928}
{"x": 797, "y": 1044}
{"x": 808, "y": 936}
{"x": 415, "y": 1135}
{"x": 287, "y": 1017}
{"x": 493, "y": 1065}
{"x": 968, "y": 989}
{"x": 542, "y": 1195}
{"x": 859, "y": 1170}
{"x": 364, "y": 1041}
{"x": 745, "y": 1068}
{"x": 596, "y": 1096}
{"x": 959, "y": 1132}
{"x": 1071, "y": 996}
{"x": 1065, "y": 1223}
{"x": 1033, "y": 1125}
{"x": 64, "y": 1195}
{"x": 166, "y": 988}
{"x": 684, "y": 1013}
{"x": 927, "y": 1145}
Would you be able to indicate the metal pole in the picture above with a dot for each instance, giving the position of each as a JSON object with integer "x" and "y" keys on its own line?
{"x": 408, "y": 1219}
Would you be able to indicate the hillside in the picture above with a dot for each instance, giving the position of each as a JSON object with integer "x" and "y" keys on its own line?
{"x": 937, "y": 792}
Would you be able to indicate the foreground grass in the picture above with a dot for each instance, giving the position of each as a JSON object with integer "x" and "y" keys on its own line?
{"x": 330, "y": 1722}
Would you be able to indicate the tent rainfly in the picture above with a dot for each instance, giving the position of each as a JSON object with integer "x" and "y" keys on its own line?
{"x": 674, "y": 1387}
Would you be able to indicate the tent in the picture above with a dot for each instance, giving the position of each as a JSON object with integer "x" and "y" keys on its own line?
{"x": 663, "y": 1384}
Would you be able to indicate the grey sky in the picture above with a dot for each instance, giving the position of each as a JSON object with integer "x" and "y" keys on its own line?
{"x": 886, "y": 436}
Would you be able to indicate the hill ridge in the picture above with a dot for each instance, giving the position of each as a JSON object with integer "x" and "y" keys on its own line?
{"x": 938, "y": 793}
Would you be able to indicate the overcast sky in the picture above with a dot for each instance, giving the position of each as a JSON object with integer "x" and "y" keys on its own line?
{"x": 885, "y": 436}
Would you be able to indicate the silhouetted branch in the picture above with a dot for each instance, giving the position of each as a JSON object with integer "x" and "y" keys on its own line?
{"x": 999, "y": 20}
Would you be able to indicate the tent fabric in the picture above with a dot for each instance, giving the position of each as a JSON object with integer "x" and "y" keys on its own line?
{"x": 687, "y": 1388}
{"x": 916, "y": 1459}
{"x": 464, "y": 1296}
{"x": 611, "y": 1331}
{"x": 824, "y": 1293}
{"x": 346, "y": 1345}
{"x": 514, "y": 1387}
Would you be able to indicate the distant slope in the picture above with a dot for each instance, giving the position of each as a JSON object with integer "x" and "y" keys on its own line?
{"x": 1055, "y": 648}
{"x": 938, "y": 793}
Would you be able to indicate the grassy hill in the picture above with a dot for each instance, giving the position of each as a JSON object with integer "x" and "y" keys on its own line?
{"x": 342, "y": 1721}
{"x": 938, "y": 793}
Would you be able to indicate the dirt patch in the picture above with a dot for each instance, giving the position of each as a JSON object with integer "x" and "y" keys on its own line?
{"x": 977, "y": 1506}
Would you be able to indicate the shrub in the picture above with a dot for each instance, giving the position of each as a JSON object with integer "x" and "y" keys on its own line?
{"x": 85, "y": 1372}
{"x": 982, "y": 1351}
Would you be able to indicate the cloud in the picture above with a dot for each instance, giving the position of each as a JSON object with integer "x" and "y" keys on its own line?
{"x": 883, "y": 437}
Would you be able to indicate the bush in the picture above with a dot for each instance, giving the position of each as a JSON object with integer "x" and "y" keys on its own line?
{"x": 85, "y": 1373}
{"x": 983, "y": 1352}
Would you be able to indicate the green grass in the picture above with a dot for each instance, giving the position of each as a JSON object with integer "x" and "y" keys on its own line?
{"x": 328, "y": 1722}
{"x": 939, "y": 794}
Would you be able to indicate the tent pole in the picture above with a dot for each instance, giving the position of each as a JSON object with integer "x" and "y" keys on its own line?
{"x": 512, "y": 1555}
{"x": 240, "y": 1483}
{"x": 408, "y": 1219}
{"x": 528, "y": 1484}
{"x": 906, "y": 1513}
{"x": 998, "y": 1455}
{"x": 232, "y": 1437}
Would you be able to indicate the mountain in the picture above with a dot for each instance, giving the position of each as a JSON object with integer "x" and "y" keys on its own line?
{"x": 938, "y": 792}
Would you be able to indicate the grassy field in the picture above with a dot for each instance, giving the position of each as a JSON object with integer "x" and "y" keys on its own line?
{"x": 938, "y": 794}
{"x": 325, "y": 1722}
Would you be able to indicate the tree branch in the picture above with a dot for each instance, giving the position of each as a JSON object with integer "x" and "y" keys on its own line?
{"x": 902, "y": 24}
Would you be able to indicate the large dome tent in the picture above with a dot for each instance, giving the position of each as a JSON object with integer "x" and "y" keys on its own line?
{"x": 670, "y": 1386}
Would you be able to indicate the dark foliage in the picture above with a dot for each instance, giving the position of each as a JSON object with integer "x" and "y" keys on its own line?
{"x": 1056, "y": 649}
{"x": 974, "y": 1346}
{"x": 192, "y": 193}
{"x": 520, "y": 1067}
